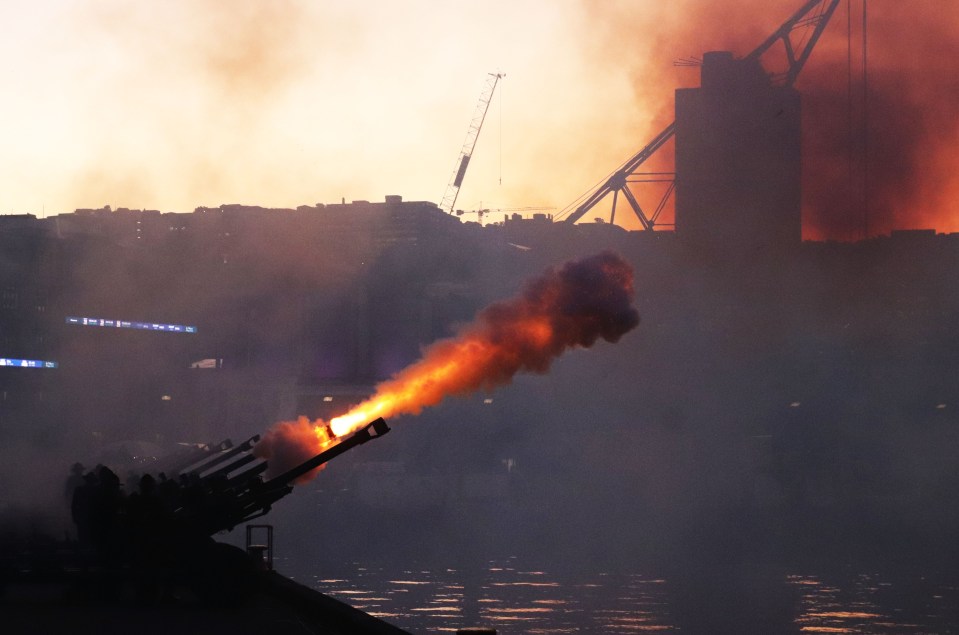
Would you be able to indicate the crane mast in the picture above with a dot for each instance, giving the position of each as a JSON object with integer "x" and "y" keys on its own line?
{"x": 814, "y": 14}
{"x": 472, "y": 134}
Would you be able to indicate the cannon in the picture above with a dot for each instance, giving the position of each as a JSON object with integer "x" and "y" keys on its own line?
{"x": 216, "y": 492}
{"x": 228, "y": 489}
{"x": 163, "y": 533}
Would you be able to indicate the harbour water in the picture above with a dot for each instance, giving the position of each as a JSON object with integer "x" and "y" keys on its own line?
{"x": 513, "y": 598}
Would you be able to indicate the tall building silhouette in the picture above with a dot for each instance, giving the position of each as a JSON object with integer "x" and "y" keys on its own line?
{"x": 737, "y": 159}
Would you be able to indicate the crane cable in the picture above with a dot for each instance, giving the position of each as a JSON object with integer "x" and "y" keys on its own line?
{"x": 501, "y": 136}
{"x": 865, "y": 128}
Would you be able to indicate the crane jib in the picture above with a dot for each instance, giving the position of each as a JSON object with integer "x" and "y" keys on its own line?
{"x": 462, "y": 170}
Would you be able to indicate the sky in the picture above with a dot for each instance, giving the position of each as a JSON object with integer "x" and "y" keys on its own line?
{"x": 171, "y": 105}
{"x": 177, "y": 104}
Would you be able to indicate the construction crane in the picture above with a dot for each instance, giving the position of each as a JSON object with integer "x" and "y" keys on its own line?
{"x": 480, "y": 213}
{"x": 472, "y": 134}
{"x": 814, "y": 14}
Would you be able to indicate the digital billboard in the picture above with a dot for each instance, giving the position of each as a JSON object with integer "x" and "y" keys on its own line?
{"x": 124, "y": 324}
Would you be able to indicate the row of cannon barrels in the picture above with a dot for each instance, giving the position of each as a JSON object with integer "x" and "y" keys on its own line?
{"x": 164, "y": 528}
{"x": 234, "y": 476}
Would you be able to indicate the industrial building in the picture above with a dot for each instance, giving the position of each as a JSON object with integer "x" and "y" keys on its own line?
{"x": 738, "y": 159}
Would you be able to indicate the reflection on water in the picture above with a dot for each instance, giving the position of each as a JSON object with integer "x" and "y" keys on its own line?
{"x": 512, "y": 599}
{"x": 505, "y": 597}
{"x": 871, "y": 604}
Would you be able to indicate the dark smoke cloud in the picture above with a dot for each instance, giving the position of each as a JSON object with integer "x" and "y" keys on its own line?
{"x": 583, "y": 301}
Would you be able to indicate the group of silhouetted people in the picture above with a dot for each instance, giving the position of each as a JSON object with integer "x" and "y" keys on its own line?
{"x": 161, "y": 532}
{"x": 163, "y": 514}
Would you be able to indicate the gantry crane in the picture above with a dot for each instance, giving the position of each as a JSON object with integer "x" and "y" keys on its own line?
{"x": 814, "y": 14}
{"x": 472, "y": 134}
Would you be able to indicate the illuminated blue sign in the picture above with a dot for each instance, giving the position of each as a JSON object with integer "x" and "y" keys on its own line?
{"x": 26, "y": 363}
{"x": 123, "y": 324}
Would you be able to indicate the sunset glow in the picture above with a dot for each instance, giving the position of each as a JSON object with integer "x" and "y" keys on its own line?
{"x": 180, "y": 104}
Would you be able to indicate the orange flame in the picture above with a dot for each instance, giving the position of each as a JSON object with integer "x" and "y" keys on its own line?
{"x": 450, "y": 367}
{"x": 567, "y": 308}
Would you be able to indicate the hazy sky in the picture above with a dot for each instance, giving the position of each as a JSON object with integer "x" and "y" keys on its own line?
{"x": 182, "y": 103}
{"x": 174, "y": 104}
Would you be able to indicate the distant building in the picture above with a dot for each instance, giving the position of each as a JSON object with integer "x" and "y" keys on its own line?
{"x": 737, "y": 159}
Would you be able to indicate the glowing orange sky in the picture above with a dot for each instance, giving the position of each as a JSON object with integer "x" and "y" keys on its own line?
{"x": 170, "y": 105}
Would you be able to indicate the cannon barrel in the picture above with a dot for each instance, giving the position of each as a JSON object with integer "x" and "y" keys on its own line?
{"x": 245, "y": 478}
{"x": 372, "y": 430}
{"x": 211, "y": 459}
{"x": 255, "y": 498}
{"x": 229, "y": 467}
{"x": 177, "y": 463}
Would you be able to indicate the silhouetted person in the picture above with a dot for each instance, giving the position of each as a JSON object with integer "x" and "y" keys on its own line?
{"x": 106, "y": 516}
{"x": 74, "y": 481}
{"x": 82, "y": 508}
{"x": 148, "y": 532}
{"x": 169, "y": 493}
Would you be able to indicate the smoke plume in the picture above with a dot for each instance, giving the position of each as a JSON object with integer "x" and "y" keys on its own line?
{"x": 905, "y": 162}
{"x": 571, "y": 307}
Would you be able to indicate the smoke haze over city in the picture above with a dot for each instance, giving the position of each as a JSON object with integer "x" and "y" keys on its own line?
{"x": 289, "y": 103}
